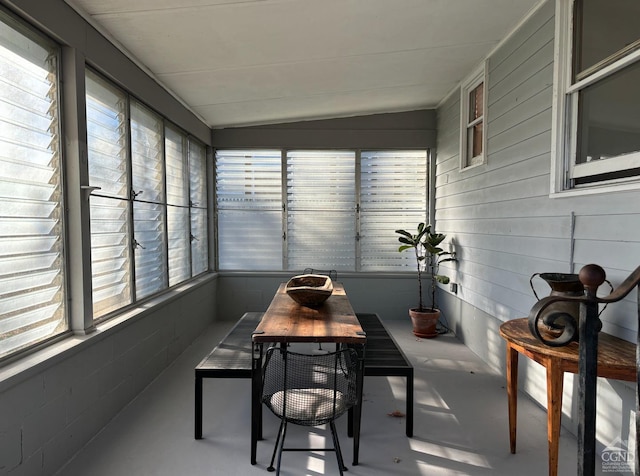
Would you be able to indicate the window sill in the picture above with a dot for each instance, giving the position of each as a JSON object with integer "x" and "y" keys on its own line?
{"x": 473, "y": 166}
{"x": 597, "y": 189}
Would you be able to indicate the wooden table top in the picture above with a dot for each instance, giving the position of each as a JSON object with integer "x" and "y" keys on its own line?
{"x": 616, "y": 357}
{"x": 287, "y": 321}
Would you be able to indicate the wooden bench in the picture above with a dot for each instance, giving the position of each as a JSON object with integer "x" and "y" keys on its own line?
{"x": 231, "y": 358}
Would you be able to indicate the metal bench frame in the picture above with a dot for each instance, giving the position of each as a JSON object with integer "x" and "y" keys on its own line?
{"x": 384, "y": 358}
{"x": 231, "y": 358}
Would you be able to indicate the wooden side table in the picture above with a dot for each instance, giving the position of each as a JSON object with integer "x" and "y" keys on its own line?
{"x": 616, "y": 360}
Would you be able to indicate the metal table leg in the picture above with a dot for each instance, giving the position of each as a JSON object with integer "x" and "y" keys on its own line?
{"x": 357, "y": 411}
{"x": 256, "y": 407}
{"x": 198, "y": 408}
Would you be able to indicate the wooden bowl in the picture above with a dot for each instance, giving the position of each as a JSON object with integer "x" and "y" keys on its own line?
{"x": 310, "y": 290}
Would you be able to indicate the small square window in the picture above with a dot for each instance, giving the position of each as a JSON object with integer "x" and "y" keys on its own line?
{"x": 473, "y": 112}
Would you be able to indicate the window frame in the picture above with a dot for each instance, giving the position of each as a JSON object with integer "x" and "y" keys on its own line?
{"x": 475, "y": 79}
{"x": 305, "y": 208}
{"x": 403, "y": 264}
{"x": 60, "y": 204}
{"x": 565, "y": 115}
{"x": 161, "y": 200}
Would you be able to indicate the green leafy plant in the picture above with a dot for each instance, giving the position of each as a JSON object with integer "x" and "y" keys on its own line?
{"x": 429, "y": 255}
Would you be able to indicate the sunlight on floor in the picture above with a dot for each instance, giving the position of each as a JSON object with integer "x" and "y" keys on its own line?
{"x": 465, "y": 366}
{"x": 435, "y": 451}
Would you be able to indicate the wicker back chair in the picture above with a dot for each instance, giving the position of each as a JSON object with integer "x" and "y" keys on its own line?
{"x": 309, "y": 390}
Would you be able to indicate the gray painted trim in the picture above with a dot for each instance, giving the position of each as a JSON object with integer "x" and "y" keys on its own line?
{"x": 407, "y": 130}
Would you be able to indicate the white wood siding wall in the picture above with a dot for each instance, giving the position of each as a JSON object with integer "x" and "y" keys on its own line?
{"x": 500, "y": 217}
{"x": 505, "y": 227}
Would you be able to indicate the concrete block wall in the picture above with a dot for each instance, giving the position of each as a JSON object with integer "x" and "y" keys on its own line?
{"x": 50, "y": 410}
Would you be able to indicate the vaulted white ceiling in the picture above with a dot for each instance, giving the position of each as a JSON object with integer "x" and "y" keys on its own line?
{"x": 248, "y": 62}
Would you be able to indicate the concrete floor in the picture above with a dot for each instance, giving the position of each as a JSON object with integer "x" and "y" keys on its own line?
{"x": 460, "y": 426}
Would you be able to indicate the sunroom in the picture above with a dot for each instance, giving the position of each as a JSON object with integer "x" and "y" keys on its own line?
{"x": 166, "y": 165}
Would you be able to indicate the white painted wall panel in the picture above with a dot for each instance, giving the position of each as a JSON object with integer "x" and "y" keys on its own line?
{"x": 505, "y": 227}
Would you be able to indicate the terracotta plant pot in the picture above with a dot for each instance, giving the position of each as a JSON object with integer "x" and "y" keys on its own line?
{"x": 425, "y": 323}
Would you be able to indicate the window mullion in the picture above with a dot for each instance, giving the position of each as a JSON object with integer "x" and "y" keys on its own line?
{"x": 130, "y": 217}
{"x": 165, "y": 202}
{"x": 477, "y": 120}
{"x": 283, "y": 199}
{"x": 78, "y": 190}
{"x": 358, "y": 182}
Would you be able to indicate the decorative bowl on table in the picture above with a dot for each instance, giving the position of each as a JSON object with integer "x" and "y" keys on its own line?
{"x": 310, "y": 290}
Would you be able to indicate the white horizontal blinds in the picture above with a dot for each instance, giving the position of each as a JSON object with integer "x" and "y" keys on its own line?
{"x": 148, "y": 201}
{"x": 109, "y": 206}
{"x": 107, "y": 137}
{"x": 249, "y": 203}
{"x": 176, "y": 165}
{"x": 32, "y": 295}
{"x": 321, "y": 209}
{"x": 393, "y": 195}
{"x": 198, "y": 202}
{"x": 179, "y": 244}
{"x": 178, "y": 226}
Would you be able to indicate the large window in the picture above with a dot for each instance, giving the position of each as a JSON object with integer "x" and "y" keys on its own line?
{"x": 32, "y": 291}
{"x": 597, "y": 119}
{"x": 333, "y": 209}
{"x": 149, "y": 208}
{"x": 146, "y": 184}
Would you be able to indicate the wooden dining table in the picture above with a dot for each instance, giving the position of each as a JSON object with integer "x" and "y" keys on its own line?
{"x": 285, "y": 321}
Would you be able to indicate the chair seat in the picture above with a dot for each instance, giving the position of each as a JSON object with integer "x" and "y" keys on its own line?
{"x": 309, "y": 406}
{"x": 309, "y": 390}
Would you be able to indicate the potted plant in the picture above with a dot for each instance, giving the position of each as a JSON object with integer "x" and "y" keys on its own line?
{"x": 429, "y": 255}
